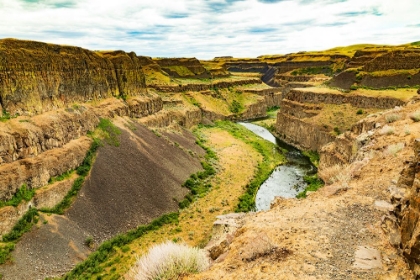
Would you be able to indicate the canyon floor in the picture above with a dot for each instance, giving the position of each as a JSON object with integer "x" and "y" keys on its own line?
{"x": 336, "y": 232}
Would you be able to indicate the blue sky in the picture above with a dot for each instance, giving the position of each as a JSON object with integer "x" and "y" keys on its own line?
{"x": 208, "y": 28}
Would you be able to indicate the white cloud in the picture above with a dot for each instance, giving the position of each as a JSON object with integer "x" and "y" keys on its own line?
{"x": 210, "y": 28}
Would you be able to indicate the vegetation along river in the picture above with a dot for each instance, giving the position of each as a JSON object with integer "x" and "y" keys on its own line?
{"x": 286, "y": 180}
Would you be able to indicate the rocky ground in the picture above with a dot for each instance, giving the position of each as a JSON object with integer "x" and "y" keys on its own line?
{"x": 335, "y": 233}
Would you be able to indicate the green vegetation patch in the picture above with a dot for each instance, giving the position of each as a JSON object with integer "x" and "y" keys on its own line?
{"x": 23, "y": 193}
{"x": 314, "y": 183}
{"x": 264, "y": 169}
{"x": 110, "y": 133}
{"x": 313, "y": 157}
{"x": 313, "y": 71}
{"x": 91, "y": 265}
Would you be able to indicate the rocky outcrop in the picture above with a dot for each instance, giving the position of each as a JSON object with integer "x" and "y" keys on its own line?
{"x": 406, "y": 228}
{"x": 22, "y": 138}
{"x": 183, "y": 67}
{"x": 308, "y": 96}
{"x": 37, "y": 77}
{"x": 184, "y": 116}
{"x": 36, "y": 171}
{"x": 301, "y": 134}
{"x": 204, "y": 87}
{"x": 381, "y": 68}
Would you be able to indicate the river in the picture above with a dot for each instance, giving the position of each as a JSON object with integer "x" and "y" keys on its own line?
{"x": 286, "y": 180}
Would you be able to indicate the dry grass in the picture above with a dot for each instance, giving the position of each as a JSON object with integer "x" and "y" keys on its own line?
{"x": 169, "y": 261}
{"x": 415, "y": 116}
{"x": 336, "y": 173}
{"x": 394, "y": 149}
{"x": 390, "y": 118}
{"x": 387, "y": 130}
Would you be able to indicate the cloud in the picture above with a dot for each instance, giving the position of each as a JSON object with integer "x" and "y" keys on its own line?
{"x": 271, "y": 1}
{"x": 207, "y": 28}
{"x": 262, "y": 30}
{"x": 49, "y": 3}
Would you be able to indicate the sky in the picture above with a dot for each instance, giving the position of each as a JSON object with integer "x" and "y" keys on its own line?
{"x": 209, "y": 28}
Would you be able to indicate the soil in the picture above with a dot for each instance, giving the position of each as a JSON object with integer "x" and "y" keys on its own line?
{"x": 132, "y": 184}
{"x": 50, "y": 249}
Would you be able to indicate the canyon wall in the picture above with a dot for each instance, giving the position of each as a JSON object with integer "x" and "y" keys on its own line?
{"x": 38, "y": 77}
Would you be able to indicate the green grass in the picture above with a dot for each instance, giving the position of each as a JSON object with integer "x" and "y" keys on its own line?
{"x": 22, "y": 226}
{"x": 314, "y": 183}
{"x": 313, "y": 71}
{"x": 23, "y": 193}
{"x": 82, "y": 170}
{"x": 111, "y": 133}
{"x": 107, "y": 249}
{"x": 61, "y": 177}
{"x": 264, "y": 168}
{"x": 313, "y": 157}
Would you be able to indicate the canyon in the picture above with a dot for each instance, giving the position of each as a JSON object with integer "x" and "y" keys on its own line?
{"x": 340, "y": 104}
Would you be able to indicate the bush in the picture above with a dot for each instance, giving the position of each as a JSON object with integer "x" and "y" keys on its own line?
{"x": 388, "y": 130}
{"x": 314, "y": 183}
{"x": 23, "y": 193}
{"x": 359, "y": 112}
{"x": 169, "y": 261}
{"x": 235, "y": 107}
{"x": 394, "y": 149}
{"x": 415, "y": 116}
{"x": 392, "y": 118}
{"x": 23, "y": 225}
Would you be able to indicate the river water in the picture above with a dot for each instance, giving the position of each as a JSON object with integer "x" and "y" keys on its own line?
{"x": 286, "y": 180}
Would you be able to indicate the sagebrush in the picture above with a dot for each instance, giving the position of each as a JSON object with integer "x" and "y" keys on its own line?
{"x": 169, "y": 261}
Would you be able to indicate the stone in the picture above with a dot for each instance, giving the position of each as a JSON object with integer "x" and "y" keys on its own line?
{"x": 367, "y": 258}
{"x": 383, "y": 205}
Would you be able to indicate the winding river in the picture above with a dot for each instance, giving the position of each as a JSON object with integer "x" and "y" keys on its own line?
{"x": 286, "y": 180}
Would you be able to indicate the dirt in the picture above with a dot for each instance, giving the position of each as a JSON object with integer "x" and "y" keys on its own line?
{"x": 50, "y": 249}
{"x": 132, "y": 184}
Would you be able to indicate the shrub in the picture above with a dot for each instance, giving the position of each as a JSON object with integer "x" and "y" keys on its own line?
{"x": 169, "y": 261}
{"x": 394, "y": 149}
{"x": 359, "y": 112}
{"x": 337, "y": 131}
{"x": 235, "y": 107}
{"x": 314, "y": 183}
{"x": 392, "y": 118}
{"x": 415, "y": 116}
{"x": 387, "y": 130}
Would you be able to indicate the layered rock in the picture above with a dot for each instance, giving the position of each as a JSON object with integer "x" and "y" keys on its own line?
{"x": 183, "y": 67}
{"x": 381, "y": 68}
{"x": 407, "y": 226}
{"x": 37, "y": 77}
{"x": 204, "y": 87}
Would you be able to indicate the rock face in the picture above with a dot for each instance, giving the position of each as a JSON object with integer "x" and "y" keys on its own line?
{"x": 183, "y": 67}
{"x": 37, "y": 77}
{"x": 381, "y": 68}
{"x": 295, "y": 126}
{"x": 408, "y": 210}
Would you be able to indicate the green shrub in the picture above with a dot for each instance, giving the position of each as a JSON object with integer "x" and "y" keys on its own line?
{"x": 106, "y": 250}
{"x": 313, "y": 157}
{"x": 235, "y": 107}
{"x": 359, "y": 112}
{"x": 415, "y": 116}
{"x": 23, "y": 193}
{"x": 314, "y": 183}
{"x": 111, "y": 132}
{"x": 337, "y": 131}
{"x": 353, "y": 87}
{"x": 23, "y": 225}
{"x": 5, "y": 252}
